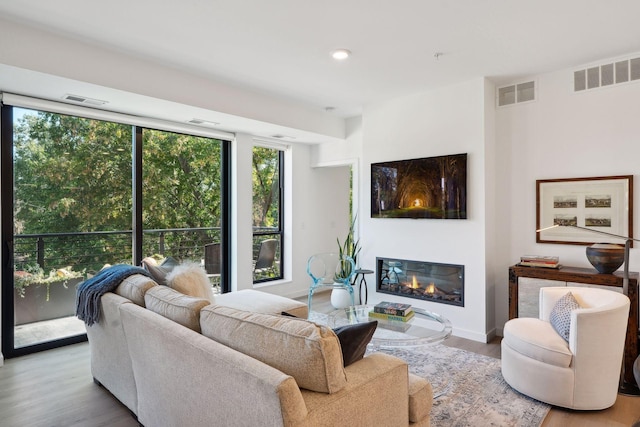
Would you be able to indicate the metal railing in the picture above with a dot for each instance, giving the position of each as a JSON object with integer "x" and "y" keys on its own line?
{"x": 90, "y": 251}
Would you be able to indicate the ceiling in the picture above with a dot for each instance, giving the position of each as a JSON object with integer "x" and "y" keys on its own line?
{"x": 281, "y": 48}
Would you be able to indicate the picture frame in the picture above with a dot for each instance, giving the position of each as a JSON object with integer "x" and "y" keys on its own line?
{"x": 603, "y": 204}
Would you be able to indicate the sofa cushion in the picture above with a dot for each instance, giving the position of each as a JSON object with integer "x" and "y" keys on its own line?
{"x": 354, "y": 340}
{"x": 262, "y": 302}
{"x": 175, "y": 306}
{"x": 189, "y": 278}
{"x": 135, "y": 287}
{"x": 159, "y": 272}
{"x": 536, "y": 339}
{"x": 308, "y": 352}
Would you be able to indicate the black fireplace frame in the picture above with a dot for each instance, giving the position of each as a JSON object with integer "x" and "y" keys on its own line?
{"x": 381, "y": 274}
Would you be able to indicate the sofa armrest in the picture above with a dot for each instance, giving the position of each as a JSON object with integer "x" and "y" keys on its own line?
{"x": 377, "y": 393}
{"x": 420, "y": 399}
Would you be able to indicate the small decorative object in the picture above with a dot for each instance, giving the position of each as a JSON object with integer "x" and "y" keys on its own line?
{"x": 605, "y": 257}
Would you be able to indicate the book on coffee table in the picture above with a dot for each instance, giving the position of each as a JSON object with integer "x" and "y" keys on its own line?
{"x": 391, "y": 317}
{"x": 393, "y": 308}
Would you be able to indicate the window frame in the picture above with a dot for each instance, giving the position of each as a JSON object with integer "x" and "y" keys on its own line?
{"x": 281, "y": 217}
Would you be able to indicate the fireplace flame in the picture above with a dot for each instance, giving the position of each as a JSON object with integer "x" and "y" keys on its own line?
{"x": 431, "y": 289}
{"x": 414, "y": 284}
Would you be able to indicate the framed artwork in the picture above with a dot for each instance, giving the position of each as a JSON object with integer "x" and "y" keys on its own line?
{"x": 602, "y": 204}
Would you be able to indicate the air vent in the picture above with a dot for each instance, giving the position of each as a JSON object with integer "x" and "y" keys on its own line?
{"x": 201, "y": 122}
{"x": 516, "y": 93}
{"x": 606, "y": 75}
{"x": 83, "y": 100}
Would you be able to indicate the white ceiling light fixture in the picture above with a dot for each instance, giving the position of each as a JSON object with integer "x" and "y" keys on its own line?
{"x": 341, "y": 54}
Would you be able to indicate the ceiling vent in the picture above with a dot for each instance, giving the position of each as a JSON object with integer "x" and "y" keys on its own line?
{"x": 516, "y": 93}
{"x": 83, "y": 100}
{"x": 201, "y": 122}
{"x": 605, "y": 75}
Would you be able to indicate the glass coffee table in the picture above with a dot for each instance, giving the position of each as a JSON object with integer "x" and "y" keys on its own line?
{"x": 425, "y": 328}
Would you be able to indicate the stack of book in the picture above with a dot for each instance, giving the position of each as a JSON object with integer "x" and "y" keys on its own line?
{"x": 393, "y": 311}
{"x": 540, "y": 261}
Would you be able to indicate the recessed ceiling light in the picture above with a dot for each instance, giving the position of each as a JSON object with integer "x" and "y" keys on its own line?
{"x": 340, "y": 54}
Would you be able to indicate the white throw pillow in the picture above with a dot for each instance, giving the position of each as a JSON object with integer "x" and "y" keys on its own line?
{"x": 190, "y": 279}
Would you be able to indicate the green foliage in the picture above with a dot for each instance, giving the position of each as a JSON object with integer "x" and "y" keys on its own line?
{"x": 266, "y": 187}
{"x": 34, "y": 275}
{"x": 74, "y": 174}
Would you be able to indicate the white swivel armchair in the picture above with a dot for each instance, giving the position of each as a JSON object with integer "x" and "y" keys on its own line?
{"x": 582, "y": 373}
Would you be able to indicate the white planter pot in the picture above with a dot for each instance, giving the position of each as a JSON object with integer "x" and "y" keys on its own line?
{"x": 340, "y": 298}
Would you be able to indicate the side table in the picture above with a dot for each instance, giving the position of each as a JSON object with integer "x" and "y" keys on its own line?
{"x": 361, "y": 272}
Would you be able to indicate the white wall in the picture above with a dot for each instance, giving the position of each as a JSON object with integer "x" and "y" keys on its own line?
{"x": 446, "y": 121}
{"x": 561, "y": 135}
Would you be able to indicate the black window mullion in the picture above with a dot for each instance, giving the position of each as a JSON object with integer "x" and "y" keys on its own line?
{"x": 136, "y": 182}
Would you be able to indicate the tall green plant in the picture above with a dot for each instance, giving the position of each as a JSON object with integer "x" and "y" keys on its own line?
{"x": 350, "y": 248}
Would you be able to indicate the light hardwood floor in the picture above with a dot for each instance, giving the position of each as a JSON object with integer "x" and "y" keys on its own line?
{"x": 55, "y": 389}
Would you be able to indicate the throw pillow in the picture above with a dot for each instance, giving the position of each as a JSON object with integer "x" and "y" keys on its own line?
{"x": 159, "y": 272}
{"x": 189, "y": 278}
{"x": 560, "y": 317}
{"x": 310, "y": 353}
{"x": 354, "y": 339}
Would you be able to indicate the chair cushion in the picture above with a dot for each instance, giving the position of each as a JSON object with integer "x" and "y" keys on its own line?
{"x": 308, "y": 352}
{"x": 536, "y": 339}
{"x": 135, "y": 287}
{"x": 175, "y": 306}
{"x": 560, "y": 316}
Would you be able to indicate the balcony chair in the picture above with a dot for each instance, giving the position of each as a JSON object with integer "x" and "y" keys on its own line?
{"x": 266, "y": 255}
{"x": 582, "y": 373}
{"x": 330, "y": 270}
{"x": 212, "y": 261}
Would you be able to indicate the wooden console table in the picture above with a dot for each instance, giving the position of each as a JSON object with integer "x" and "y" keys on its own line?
{"x": 588, "y": 276}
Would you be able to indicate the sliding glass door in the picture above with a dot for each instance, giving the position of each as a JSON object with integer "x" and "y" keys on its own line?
{"x": 79, "y": 194}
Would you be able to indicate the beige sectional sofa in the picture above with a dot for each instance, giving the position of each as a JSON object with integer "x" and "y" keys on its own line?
{"x": 176, "y": 360}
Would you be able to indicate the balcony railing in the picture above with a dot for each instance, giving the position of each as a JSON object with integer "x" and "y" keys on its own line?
{"x": 90, "y": 251}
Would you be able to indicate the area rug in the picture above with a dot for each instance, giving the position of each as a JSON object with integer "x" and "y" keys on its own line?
{"x": 473, "y": 390}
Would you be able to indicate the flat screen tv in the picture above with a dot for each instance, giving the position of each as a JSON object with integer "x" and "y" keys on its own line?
{"x": 431, "y": 187}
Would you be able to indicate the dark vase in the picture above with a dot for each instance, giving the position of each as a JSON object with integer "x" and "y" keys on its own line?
{"x": 605, "y": 257}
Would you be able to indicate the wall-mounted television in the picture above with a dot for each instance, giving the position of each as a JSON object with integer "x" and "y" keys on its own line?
{"x": 431, "y": 187}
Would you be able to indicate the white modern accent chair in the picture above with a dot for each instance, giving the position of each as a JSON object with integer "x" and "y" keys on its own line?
{"x": 582, "y": 373}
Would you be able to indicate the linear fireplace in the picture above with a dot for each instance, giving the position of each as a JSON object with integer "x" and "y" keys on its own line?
{"x": 428, "y": 281}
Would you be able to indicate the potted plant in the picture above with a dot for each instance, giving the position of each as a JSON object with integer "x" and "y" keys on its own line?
{"x": 350, "y": 247}
{"x": 39, "y": 296}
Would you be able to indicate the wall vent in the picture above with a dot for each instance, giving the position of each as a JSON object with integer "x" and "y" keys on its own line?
{"x": 605, "y": 75}
{"x": 516, "y": 93}
{"x": 83, "y": 100}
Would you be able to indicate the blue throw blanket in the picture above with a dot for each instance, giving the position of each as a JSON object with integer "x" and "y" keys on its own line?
{"x": 91, "y": 290}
